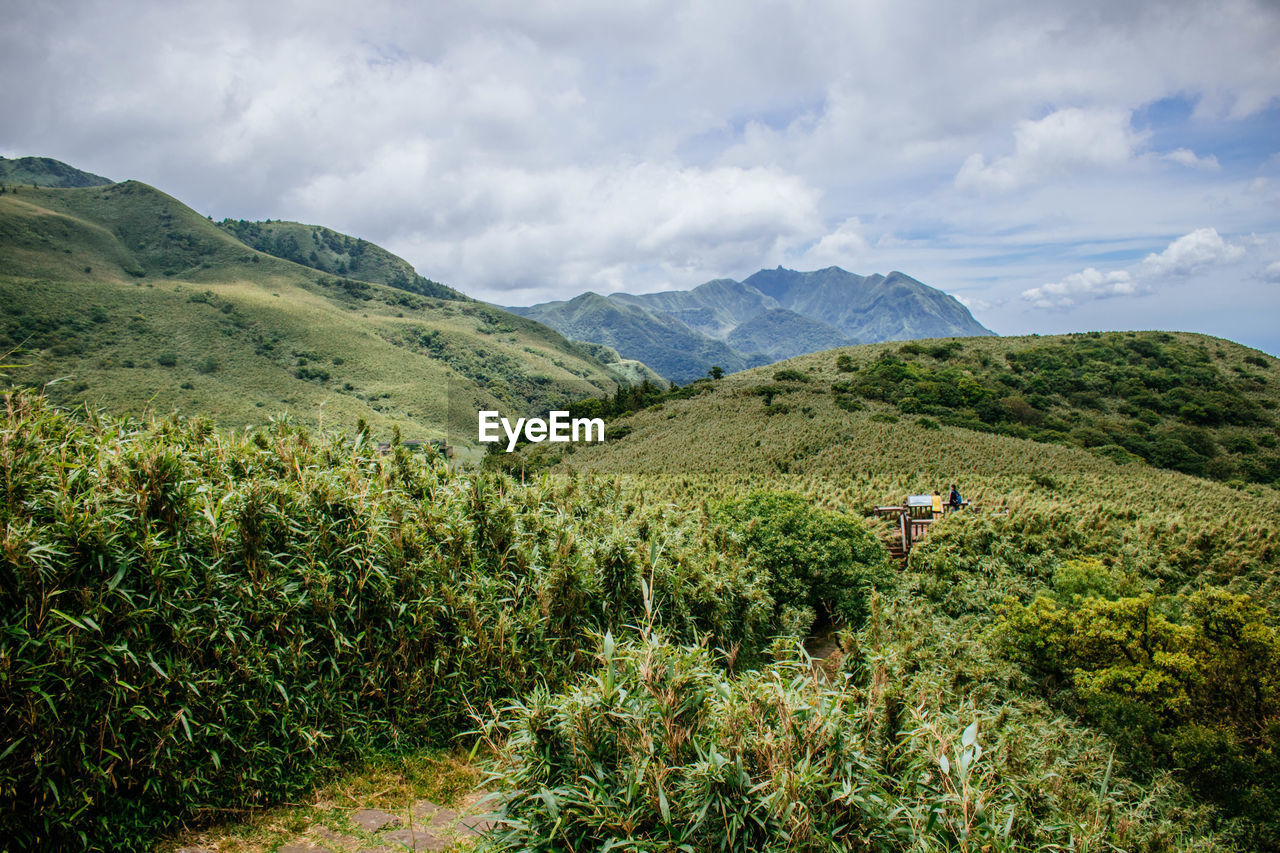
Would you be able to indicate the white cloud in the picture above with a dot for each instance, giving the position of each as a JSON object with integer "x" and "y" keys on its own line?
{"x": 1190, "y": 252}
{"x": 1184, "y": 256}
{"x": 525, "y": 151}
{"x": 599, "y": 228}
{"x": 1272, "y": 272}
{"x": 1087, "y": 284}
{"x": 1061, "y": 143}
{"x": 845, "y": 246}
{"x": 1189, "y": 158}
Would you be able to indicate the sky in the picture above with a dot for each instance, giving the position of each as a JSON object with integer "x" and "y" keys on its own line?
{"x": 1095, "y": 164}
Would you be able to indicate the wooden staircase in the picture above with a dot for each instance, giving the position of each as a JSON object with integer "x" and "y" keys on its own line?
{"x": 912, "y": 522}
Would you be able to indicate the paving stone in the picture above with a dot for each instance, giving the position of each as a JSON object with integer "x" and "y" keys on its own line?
{"x": 418, "y": 839}
{"x": 476, "y": 824}
{"x": 337, "y": 838}
{"x": 434, "y": 814}
{"x": 372, "y": 820}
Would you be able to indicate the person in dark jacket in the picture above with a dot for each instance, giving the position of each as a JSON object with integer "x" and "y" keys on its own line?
{"x": 954, "y": 500}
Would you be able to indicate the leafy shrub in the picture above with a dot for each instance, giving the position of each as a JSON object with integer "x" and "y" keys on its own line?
{"x": 816, "y": 564}
{"x": 166, "y": 359}
{"x": 658, "y": 750}
{"x": 789, "y": 375}
{"x": 191, "y": 622}
{"x": 1202, "y": 695}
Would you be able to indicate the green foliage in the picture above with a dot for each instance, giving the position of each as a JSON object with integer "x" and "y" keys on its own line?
{"x": 191, "y": 622}
{"x": 817, "y": 564}
{"x": 1202, "y": 695}
{"x": 657, "y": 749}
{"x": 328, "y": 251}
{"x": 1152, "y": 396}
{"x": 789, "y": 375}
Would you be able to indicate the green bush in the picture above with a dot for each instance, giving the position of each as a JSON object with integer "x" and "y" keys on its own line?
{"x": 191, "y": 622}
{"x": 816, "y": 564}
{"x": 659, "y": 750}
{"x": 1202, "y": 695}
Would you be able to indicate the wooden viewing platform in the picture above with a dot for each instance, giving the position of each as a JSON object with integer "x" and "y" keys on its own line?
{"x": 915, "y": 516}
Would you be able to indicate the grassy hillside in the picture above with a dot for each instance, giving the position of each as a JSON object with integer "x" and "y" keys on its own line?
{"x": 137, "y": 303}
{"x": 1137, "y": 600}
{"x": 328, "y": 251}
{"x": 44, "y": 172}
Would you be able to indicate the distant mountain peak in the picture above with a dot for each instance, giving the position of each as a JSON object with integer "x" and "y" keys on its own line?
{"x": 772, "y": 314}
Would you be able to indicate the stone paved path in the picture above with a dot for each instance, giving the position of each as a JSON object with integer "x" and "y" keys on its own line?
{"x": 427, "y": 826}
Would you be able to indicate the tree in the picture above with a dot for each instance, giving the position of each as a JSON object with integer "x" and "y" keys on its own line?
{"x": 716, "y": 371}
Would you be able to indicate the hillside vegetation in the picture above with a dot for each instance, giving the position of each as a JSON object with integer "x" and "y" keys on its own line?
{"x": 328, "y": 251}
{"x": 44, "y": 172}
{"x": 1139, "y": 600}
{"x": 192, "y": 621}
{"x": 137, "y": 303}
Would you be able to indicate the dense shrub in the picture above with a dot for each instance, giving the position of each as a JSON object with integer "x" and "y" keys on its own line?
{"x": 817, "y": 564}
{"x": 1202, "y": 694}
{"x": 657, "y": 749}
{"x": 191, "y": 621}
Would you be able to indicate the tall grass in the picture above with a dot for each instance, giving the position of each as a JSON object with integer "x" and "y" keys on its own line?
{"x": 192, "y": 621}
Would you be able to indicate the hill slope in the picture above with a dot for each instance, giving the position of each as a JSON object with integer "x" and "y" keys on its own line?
{"x": 782, "y": 334}
{"x": 143, "y": 304}
{"x": 771, "y": 315}
{"x": 1180, "y": 401}
{"x": 328, "y": 251}
{"x": 45, "y": 172}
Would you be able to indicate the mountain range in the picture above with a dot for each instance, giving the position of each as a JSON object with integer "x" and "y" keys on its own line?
{"x": 769, "y": 316}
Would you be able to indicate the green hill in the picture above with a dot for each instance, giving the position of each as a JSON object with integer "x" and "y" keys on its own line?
{"x": 1181, "y": 401}
{"x": 45, "y": 172}
{"x": 131, "y": 300}
{"x": 328, "y": 251}
{"x": 1084, "y": 584}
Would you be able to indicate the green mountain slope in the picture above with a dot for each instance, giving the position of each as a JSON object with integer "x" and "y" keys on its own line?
{"x": 664, "y": 343}
{"x": 137, "y": 303}
{"x": 782, "y": 334}
{"x": 714, "y": 308}
{"x": 328, "y": 251}
{"x": 1084, "y": 583}
{"x": 45, "y": 172}
{"x": 1180, "y": 401}
{"x": 810, "y": 427}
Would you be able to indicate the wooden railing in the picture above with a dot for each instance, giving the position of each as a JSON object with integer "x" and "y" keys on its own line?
{"x": 913, "y": 521}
